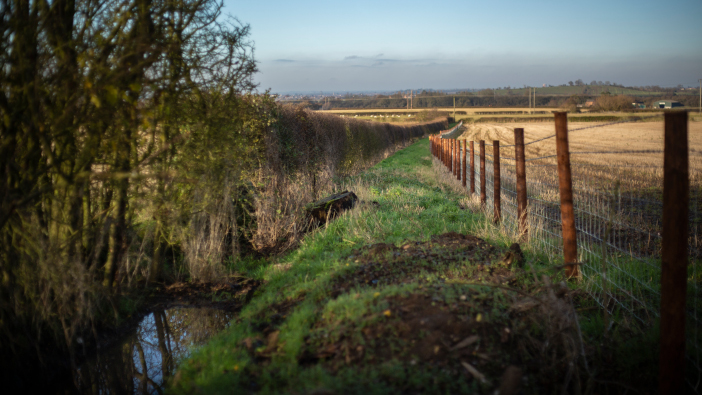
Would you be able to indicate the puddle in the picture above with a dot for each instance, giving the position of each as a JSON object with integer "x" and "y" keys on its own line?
{"x": 142, "y": 361}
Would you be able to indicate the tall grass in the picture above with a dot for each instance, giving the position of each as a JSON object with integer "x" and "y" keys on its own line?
{"x": 308, "y": 154}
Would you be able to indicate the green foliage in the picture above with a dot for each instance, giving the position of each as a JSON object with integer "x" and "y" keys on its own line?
{"x": 109, "y": 112}
{"x": 131, "y": 143}
{"x": 303, "y": 278}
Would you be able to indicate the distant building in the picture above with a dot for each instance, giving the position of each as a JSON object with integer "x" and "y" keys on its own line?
{"x": 638, "y": 104}
{"x": 666, "y": 104}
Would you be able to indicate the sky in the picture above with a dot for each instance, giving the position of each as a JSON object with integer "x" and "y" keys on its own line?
{"x": 387, "y": 45}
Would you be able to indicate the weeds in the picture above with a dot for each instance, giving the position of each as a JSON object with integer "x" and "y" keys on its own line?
{"x": 382, "y": 296}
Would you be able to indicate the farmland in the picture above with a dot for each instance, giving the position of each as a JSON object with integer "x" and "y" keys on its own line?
{"x": 385, "y": 300}
{"x": 638, "y": 136}
{"x": 617, "y": 178}
{"x": 489, "y": 115}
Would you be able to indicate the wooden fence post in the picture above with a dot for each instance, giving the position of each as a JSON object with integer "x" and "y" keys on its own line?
{"x": 483, "y": 194}
{"x": 453, "y": 157}
{"x": 676, "y": 197}
{"x": 472, "y": 167}
{"x": 496, "y": 181}
{"x": 460, "y": 155}
{"x": 443, "y": 152}
{"x": 465, "y": 154}
{"x": 448, "y": 152}
{"x": 565, "y": 184}
{"x": 521, "y": 182}
{"x": 457, "y": 173}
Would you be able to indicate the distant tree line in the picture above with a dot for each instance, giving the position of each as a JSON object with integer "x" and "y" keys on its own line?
{"x": 484, "y": 98}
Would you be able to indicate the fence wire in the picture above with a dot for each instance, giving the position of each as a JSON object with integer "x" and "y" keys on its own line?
{"x": 618, "y": 210}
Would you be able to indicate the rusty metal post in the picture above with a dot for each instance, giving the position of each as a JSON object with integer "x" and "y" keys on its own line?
{"x": 496, "y": 181}
{"x": 483, "y": 194}
{"x": 565, "y": 184}
{"x": 521, "y": 181}
{"x": 465, "y": 154}
{"x": 472, "y": 167}
{"x": 676, "y": 197}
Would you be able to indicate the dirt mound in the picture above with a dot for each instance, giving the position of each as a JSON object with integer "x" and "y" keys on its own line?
{"x": 479, "y": 334}
{"x": 382, "y": 264}
{"x": 470, "y": 319}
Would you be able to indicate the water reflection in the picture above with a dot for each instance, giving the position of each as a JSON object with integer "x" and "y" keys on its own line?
{"x": 142, "y": 361}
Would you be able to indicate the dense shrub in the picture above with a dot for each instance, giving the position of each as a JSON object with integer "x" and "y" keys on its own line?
{"x": 133, "y": 150}
{"x": 306, "y": 152}
{"x": 613, "y": 103}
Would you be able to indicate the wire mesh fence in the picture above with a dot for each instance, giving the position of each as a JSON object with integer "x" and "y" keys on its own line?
{"x": 618, "y": 206}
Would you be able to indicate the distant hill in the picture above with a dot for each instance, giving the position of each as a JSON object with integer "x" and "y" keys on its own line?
{"x": 582, "y": 90}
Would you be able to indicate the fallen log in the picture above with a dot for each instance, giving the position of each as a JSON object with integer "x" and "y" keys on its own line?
{"x": 326, "y": 209}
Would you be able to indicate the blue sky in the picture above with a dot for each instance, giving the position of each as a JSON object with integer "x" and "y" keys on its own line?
{"x": 331, "y": 45}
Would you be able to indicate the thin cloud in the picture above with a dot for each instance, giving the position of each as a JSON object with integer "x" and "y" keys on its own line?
{"x": 379, "y": 58}
{"x": 284, "y": 60}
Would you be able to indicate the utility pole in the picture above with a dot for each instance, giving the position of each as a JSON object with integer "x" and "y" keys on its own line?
{"x": 700, "y": 81}
{"x": 529, "y": 92}
{"x": 534, "y": 101}
{"x": 454, "y": 109}
{"x": 411, "y": 99}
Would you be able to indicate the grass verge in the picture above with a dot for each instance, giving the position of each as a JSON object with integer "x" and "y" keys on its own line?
{"x": 397, "y": 295}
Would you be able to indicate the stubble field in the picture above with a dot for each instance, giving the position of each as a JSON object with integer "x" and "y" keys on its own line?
{"x": 634, "y": 136}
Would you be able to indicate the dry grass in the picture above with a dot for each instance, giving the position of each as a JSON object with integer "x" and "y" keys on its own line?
{"x": 469, "y": 110}
{"x": 403, "y": 119}
{"x": 620, "y": 137}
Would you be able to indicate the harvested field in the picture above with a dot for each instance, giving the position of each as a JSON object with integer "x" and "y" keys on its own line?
{"x": 617, "y": 178}
{"x": 639, "y": 136}
{"x": 463, "y": 110}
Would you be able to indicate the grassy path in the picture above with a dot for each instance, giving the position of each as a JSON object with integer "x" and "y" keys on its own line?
{"x": 397, "y": 297}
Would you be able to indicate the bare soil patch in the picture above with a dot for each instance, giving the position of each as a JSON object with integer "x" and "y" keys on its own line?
{"x": 384, "y": 264}
{"x": 484, "y": 329}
